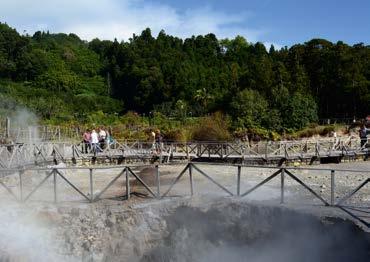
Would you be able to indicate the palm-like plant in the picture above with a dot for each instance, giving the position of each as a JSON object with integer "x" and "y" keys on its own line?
{"x": 203, "y": 97}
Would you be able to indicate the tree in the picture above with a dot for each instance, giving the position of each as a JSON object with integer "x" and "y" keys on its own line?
{"x": 249, "y": 109}
{"x": 299, "y": 112}
{"x": 203, "y": 97}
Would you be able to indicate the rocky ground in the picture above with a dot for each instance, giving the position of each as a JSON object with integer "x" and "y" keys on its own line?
{"x": 115, "y": 230}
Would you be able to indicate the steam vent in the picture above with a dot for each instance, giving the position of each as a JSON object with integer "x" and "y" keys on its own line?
{"x": 60, "y": 204}
{"x": 184, "y": 131}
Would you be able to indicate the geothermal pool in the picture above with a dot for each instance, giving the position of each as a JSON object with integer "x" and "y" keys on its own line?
{"x": 186, "y": 230}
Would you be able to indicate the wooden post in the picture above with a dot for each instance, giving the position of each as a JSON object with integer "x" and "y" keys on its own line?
{"x": 238, "y": 181}
{"x": 332, "y": 187}
{"x": 244, "y": 148}
{"x": 127, "y": 183}
{"x": 158, "y": 182}
{"x": 282, "y": 174}
{"x": 55, "y": 185}
{"x": 191, "y": 179}
{"x": 266, "y": 148}
{"x": 21, "y": 184}
{"x": 187, "y": 151}
{"x": 7, "y": 128}
{"x": 91, "y": 186}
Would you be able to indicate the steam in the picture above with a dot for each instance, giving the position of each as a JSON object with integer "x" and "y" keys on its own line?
{"x": 257, "y": 234}
{"x": 23, "y": 123}
{"x": 22, "y": 238}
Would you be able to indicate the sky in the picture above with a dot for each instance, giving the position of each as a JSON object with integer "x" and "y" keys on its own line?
{"x": 278, "y": 22}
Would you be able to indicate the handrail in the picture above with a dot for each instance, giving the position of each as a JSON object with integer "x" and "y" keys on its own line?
{"x": 190, "y": 170}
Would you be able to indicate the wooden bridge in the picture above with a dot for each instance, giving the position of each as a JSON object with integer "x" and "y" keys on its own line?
{"x": 267, "y": 152}
{"x": 92, "y": 184}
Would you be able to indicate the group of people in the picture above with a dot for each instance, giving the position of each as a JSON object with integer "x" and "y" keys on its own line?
{"x": 95, "y": 141}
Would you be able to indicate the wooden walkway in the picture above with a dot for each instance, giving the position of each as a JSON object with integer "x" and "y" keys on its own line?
{"x": 275, "y": 153}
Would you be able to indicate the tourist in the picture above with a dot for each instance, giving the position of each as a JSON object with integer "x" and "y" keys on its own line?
{"x": 363, "y": 136}
{"x": 102, "y": 137}
{"x": 158, "y": 141}
{"x": 152, "y": 134}
{"x": 108, "y": 139}
{"x": 86, "y": 141}
{"x": 95, "y": 141}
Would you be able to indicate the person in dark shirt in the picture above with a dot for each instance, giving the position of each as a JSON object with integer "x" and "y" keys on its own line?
{"x": 363, "y": 135}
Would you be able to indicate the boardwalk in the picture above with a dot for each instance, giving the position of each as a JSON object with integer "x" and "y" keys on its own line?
{"x": 21, "y": 154}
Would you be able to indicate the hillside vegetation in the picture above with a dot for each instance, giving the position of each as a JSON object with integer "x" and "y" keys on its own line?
{"x": 64, "y": 79}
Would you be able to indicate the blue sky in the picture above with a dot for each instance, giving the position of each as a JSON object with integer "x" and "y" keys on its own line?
{"x": 281, "y": 22}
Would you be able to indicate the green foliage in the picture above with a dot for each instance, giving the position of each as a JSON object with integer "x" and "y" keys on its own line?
{"x": 177, "y": 134}
{"x": 315, "y": 130}
{"x": 299, "y": 111}
{"x": 212, "y": 128}
{"x": 58, "y": 81}
{"x": 133, "y": 119}
{"x": 62, "y": 78}
{"x": 249, "y": 109}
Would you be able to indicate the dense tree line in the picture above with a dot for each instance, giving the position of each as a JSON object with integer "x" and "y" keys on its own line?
{"x": 62, "y": 77}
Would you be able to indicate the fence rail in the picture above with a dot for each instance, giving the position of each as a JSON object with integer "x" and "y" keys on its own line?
{"x": 14, "y": 155}
{"x": 156, "y": 190}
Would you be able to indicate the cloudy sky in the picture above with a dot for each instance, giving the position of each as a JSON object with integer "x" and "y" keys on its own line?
{"x": 282, "y": 22}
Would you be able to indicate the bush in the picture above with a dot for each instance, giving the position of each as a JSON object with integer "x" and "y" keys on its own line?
{"x": 299, "y": 112}
{"x": 212, "y": 128}
{"x": 249, "y": 109}
{"x": 274, "y": 136}
{"x": 178, "y": 135}
{"x": 314, "y": 130}
{"x": 133, "y": 119}
{"x": 327, "y": 130}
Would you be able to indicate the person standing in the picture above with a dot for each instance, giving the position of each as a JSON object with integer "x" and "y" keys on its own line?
{"x": 94, "y": 140}
{"x": 102, "y": 137}
{"x": 152, "y": 134}
{"x": 363, "y": 136}
{"x": 158, "y": 141}
{"x": 108, "y": 139}
{"x": 87, "y": 141}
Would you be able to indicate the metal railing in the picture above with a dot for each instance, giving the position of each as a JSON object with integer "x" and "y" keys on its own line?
{"x": 156, "y": 190}
{"x": 14, "y": 155}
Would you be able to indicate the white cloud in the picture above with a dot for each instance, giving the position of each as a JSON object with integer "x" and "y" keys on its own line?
{"x": 109, "y": 19}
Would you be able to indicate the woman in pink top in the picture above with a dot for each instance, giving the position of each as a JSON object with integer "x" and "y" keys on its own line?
{"x": 87, "y": 141}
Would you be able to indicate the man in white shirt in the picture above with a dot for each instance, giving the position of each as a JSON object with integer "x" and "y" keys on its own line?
{"x": 94, "y": 140}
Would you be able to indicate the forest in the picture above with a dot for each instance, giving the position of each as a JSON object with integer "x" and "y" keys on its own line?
{"x": 62, "y": 78}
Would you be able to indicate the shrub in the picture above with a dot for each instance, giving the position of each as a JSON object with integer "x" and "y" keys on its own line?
{"x": 327, "y": 130}
{"x": 249, "y": 109}
{"x": 212, "y": 128}
{"x": 133, "y": 119}
{"x": 178, "y": 135}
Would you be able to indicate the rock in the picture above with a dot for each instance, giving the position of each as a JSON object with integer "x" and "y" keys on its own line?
{"x": 75, "y": 212}
{"x": 49, "y": 217}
